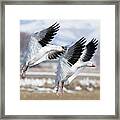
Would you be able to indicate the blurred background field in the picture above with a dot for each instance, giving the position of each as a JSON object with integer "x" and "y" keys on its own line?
{"x": 81, "y": 95}
{"x": 39, "y": 84}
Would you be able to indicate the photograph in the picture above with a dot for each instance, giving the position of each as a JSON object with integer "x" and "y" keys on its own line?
{"x": 60, "y": 59}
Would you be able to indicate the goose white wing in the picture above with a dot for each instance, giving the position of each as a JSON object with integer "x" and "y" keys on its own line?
{"x": 85, "y": 57}
{"x": 39, "y": 40}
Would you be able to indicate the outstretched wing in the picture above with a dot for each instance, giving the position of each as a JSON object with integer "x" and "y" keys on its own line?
{"x": 55, "y": 54}
{"x": 75, "y": 51}
{"x": 45, "y": 36}
{"x": 90, "y": 50}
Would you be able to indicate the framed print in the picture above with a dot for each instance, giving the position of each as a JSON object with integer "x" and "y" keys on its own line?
{"x": 59, "y": 59}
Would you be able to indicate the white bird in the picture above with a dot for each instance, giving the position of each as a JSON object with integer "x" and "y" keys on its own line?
{"x": 66, "y": 62}
{"x": 39, "y": 49}
{"x": 74, "y": 60}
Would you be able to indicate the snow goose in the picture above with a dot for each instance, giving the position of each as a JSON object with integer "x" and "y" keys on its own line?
{"x": 78, "y": 56}
{"x": 39, "y": 49}
{"x": 66, "y": 62}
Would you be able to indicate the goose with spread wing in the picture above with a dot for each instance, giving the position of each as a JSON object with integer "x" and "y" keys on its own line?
{"x": 76, "y": 57}
{"x": 66, "y": 62}
{"x": 85, "y": 58}
{"x": 39, "y": 48}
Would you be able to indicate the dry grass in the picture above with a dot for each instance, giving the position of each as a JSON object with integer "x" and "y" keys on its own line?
{"x": 82, "y": 95}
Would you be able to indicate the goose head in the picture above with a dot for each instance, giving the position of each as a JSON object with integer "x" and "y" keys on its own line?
{"x": 90, "y": 64}
{"x": 60, "y": 48}
{"x": 57, "y": 47}
{"x": 64, "y": 47}
{"x": 87, "y": 64}
{"x": 36, "y": 35}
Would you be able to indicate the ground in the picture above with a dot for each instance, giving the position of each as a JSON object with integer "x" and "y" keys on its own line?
{"x": 81, "y": 95}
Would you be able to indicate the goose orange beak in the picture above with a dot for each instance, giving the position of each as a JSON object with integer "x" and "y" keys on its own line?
{"x": 93, "y": 65}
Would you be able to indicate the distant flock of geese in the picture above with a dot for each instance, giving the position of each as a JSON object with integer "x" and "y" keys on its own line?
{"x": 71, "y": 59}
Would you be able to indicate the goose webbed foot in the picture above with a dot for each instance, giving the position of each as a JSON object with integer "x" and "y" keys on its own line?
{"x": 59, "y": 93}
{"x": 23, "y": 75}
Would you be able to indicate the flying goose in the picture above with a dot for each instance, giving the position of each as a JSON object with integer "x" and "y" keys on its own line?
{"x": 39, "y": 48}
{"x": 66, "y": 62}
{"x": 77, "y": 56}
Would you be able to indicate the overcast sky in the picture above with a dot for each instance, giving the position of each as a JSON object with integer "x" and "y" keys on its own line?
{"x": 70, "y": 30}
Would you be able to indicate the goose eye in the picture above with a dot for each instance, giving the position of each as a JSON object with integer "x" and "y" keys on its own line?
{"x": 36, "y": 33}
